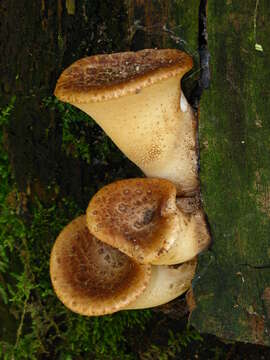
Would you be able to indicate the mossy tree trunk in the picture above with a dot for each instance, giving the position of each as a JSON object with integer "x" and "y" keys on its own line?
{"x": 39, "y": 39}
{"x": 232, "y": 286}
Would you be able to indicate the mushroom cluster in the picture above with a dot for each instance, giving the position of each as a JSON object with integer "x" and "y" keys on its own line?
{"x": 136, "y": 246}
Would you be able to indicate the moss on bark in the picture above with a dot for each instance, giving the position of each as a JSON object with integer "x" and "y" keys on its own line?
{"x": 232, "y": 285}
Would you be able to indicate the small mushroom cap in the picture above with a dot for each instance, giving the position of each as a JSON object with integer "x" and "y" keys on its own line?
{"x": 103, "y": 77}
{"x": 137, "y": 216}
{"x": 90, "y": 277}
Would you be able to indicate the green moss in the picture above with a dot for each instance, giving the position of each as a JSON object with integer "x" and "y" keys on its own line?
{"x": 77, "y": 127}
{"x": 27, "y": 232}
{"x": 234, "y": 171}
{"x": 44, "y": 328}
{"x": 175, "y": 343}
{"x": 45, "y": 325}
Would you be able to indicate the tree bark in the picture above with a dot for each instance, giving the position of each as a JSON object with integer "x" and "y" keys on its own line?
{"x": 232, "y": 285}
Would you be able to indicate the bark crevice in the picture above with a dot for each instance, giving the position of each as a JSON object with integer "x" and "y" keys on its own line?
{"x": 204, "y": 55}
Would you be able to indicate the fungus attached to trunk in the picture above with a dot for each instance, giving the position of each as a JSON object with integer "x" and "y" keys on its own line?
{"x": 137, "y": 99}
{"x": 140, "y": 217}
{"x": 93, "y": 278}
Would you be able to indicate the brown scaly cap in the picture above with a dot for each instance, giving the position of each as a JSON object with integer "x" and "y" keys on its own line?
{"x": 103, "y": 77}
{"x": 137, "y": 216}
{"x": 90, "y": 277}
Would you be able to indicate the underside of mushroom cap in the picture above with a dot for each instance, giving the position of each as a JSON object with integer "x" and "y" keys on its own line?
{"x": 166, "y": 284}
{"x": 103, "y": 77}
{"x": 90, "y": 277}
{"x": 137, "y": 216}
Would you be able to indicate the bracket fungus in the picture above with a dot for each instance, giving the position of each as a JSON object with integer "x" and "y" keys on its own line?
{"x": 137, "y": 245}
{"x": 137, "y": 95}
{"x": 140, "y": 217}
{"x": 92, "y": 278}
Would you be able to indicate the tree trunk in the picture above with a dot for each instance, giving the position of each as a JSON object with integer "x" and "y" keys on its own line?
{"x": 232, "y": 285}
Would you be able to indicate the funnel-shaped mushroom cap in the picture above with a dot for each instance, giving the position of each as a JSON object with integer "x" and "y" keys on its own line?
{"x": 141, "y": 219}
{"x": 166, "y": 284}
{"x": 137, "y": 95}
{"x": 90, "y": 277}
{"x": 104, "y": 77}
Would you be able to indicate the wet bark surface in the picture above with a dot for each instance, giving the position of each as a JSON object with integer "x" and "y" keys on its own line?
{"x": 39, "y": 39}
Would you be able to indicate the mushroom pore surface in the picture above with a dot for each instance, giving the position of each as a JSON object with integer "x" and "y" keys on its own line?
{"x": 91, "y": 277}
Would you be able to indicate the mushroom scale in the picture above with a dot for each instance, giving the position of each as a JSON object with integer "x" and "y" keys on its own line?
{"x": 90, "y": 277}
{"x": 138, "y": 95}
{"x": 107, "y": 76}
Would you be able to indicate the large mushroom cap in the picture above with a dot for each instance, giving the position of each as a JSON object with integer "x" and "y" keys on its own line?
{"x": 137, "y": 95}
{"x": 90, "y": 277}
{"x": 137, "y": 216}
{"x": 103, "y": 77}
